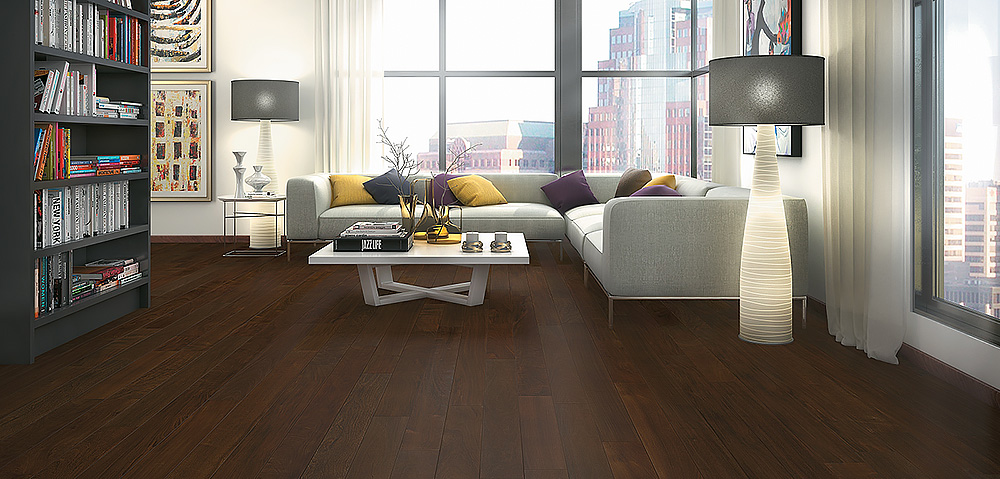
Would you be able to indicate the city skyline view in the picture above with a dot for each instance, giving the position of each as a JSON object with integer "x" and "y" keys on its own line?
{"x": 971, "y": 176}
{"x": 640, "y": 122}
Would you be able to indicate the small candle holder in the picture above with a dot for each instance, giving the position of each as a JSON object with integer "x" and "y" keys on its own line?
{"x": 500, "y": 244}
{"x": 472, "y": 243}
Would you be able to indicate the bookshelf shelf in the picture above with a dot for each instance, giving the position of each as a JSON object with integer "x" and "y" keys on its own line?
{"x": 89, "y": 120}
{"x": 104, "y": 238}
{"x": 119, "y": 9}
{"x": 22, "y": 336}
{"x": 91, "y": 179}
{"x": 103, "y": 64}
{"x": 90, "y": 301}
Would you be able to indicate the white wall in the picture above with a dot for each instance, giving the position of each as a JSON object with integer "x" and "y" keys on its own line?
{"x": 251, "y": 39}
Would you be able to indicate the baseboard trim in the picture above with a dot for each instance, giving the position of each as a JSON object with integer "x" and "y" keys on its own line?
{"x": 945, "y": 372}
{"x": 934, "y": 366}
{"x": 214, "y": 239}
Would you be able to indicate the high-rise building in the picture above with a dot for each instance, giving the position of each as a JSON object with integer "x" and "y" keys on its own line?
{"x": 980, "y": 228}
{"x": 954, "y": 193}
{"x": 647, "y": 122}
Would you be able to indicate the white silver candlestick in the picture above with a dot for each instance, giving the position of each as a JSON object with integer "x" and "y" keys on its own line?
{"x": 239, "y": 169}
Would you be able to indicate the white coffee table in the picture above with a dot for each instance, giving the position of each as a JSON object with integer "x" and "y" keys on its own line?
{"x": 423, "y": 253}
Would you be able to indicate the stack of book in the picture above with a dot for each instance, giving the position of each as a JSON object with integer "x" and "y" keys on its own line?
{"x": 102, "y": 275}
{"x": 65, "y": 88}
{"x": 374, "y": 236}
{"x": 72, "y": 213}
{"x": 107, "y": 108}
{"x": 83, "y": 27}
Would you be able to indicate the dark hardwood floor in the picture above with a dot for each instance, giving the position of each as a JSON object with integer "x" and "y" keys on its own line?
{"x": 248, "y": 367}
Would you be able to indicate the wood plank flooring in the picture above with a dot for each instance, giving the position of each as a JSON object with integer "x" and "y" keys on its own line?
{"x": 260, "y": 367}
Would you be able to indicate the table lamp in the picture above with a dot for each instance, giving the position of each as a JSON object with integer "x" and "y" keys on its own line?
{"x": 265, "y": 101}
{"x": 766, "y": 90}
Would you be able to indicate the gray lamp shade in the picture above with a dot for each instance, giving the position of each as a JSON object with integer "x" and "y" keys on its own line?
{"x": 767, "y": 89}
{"x": 276, "y": 100}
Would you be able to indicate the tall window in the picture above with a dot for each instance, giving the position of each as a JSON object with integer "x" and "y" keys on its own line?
{"x": 492, "y": 73}
{"x": 957, "y": 163}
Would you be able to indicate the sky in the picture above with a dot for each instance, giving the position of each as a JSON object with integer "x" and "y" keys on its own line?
{"x": 970, "y": 48}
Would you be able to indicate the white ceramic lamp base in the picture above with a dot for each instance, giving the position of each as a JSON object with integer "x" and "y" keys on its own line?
{"x": 765, "y": 264}
{"x": 263, "y": 232}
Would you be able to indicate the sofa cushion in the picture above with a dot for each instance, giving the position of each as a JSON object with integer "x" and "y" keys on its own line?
{"x": 656, "y": 190}
{"x": 631, "y": 181}
{"x": 335, "y": 220}
{"x": 569, "y": 191}
{"x": 687, "y": 186}
{"x": 441, "y": 194}
{"x": 387, "y": 187}
{"x": 728, "y": 192}
{"x": 536, "y": 221}
{"x": 521, "y": 187}
{"x": 474, "y": 190}
{"x": 577, "y": 229}
{"x": 585, "y": 210}
{"x": 350, "y": 190}
{"x": 665, "y": 180}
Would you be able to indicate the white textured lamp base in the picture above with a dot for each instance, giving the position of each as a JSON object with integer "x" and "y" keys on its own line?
{"x": 765, "y": 265}
{"x": 264, "y": 234}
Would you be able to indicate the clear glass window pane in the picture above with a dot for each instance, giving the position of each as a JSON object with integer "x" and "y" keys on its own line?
{"x": 410, "y": 112}
{"x": 410, "y": 33}
{"x": 703, "y": 138}
{"x": 637, "y": 122}
{"x": 971, "y": 204}
{"x": 511, "y": 119}
{"x": 511, "y": 35}
{"x": 622, "y": 35}
{"x": 705, "y": 29}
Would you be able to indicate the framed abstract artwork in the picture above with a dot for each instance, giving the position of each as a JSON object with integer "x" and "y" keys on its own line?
{"x": 180, "y": 38}
{"x": 773, "y": 27}
{"x": 180, "y": 140}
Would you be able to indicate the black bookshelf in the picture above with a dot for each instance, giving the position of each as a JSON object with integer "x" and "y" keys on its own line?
{"x": 22, "y": 336}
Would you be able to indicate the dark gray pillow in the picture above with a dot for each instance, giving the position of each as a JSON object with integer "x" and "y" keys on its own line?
{"x": 387, "y": 187}
{"x": 631, "y": 181}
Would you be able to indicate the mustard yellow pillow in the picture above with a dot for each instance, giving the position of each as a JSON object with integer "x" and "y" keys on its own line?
{"x": 350, "y": 190}
{"x": 474, "y": 190}
{"x": 669, "y": 181}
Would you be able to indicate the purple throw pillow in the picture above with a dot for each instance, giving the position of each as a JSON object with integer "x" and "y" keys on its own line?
{"x": 656, "y": 190}
{"x": 441, "y": 192}
{"x": 569, "y": 191}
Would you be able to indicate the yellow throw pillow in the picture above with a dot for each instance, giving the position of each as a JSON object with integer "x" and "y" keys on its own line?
{"x": 669, "y": 181}
{"x": 350, "y": 190}
{"x": 474, "y": 190}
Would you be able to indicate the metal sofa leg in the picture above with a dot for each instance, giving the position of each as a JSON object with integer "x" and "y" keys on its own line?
{"x": 560, "y": 251}
{"x": 611, "y": 313}
{"x": 805, "y": 299}
{"x": 586, "y": 276}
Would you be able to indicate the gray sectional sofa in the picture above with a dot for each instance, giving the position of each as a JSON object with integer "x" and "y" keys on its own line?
{"x": 681, "y": 247}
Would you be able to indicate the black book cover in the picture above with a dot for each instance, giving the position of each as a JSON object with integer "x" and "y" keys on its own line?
{"x": 372, "y": 243}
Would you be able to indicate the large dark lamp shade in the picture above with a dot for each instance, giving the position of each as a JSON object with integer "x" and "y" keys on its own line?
{"x": 275, "y": 100}
{"x": 767, "y": 89}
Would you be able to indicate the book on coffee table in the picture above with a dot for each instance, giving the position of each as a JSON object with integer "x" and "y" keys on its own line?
{"x": 388, "y": 241}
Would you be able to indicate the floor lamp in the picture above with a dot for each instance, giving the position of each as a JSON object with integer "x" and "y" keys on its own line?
{"x": 766, "y": 90}
{"x": 265, "y": 101}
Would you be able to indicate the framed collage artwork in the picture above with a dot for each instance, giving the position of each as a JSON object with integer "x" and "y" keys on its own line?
{"x": 180, "y": 140}
{"x": 772, "y": 27}
{"x": 180, "y": 37}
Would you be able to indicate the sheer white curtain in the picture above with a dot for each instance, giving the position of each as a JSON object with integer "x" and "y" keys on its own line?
{"x": 866, "y": 166}
{"x": 349, "y": 82}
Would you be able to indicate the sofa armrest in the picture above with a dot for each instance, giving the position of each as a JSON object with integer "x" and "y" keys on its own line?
{"x": 687, "y": 247}
{"x": 308, "y": 197}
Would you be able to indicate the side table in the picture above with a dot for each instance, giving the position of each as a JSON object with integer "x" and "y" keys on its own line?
{"x": 279, "y": 214}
